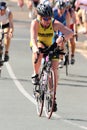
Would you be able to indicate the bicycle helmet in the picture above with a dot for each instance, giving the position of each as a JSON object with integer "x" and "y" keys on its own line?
{"x": 60, "y": 4}
{"x": 3, "y": 5}
{"x": 44, "y": 10}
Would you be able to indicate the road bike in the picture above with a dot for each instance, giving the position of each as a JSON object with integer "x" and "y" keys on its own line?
{"x": 45, "y": 90}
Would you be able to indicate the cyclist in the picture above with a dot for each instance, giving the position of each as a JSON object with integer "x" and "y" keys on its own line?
{"x": 42, "y": 31}
{"x": 6, "y": 18}
{"x": 71, "y": 11}
{"x": 62, "y": 14}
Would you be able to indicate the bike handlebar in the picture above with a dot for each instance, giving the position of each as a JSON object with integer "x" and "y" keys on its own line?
{"x": 53, "y": 49}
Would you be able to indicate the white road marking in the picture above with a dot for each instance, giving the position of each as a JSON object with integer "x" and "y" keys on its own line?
{"x": 22, "y": 39}
{"x": 18, "y": 84}
{"x": 29, "y": 97}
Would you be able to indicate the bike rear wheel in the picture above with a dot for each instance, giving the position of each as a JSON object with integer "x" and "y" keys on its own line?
{"x": 49, "y": 97}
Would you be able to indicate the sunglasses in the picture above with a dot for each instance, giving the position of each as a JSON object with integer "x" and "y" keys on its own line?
{"x": 46, "y": 18}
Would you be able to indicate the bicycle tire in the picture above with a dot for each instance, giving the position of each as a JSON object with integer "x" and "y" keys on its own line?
{"x": 40, "y": 103}
{"x": 39, "y": 96}
{"x": 49, "y": 97}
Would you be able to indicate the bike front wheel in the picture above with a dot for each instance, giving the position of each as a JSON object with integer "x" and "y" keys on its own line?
{"x": 49, "y": 98}
{"x": 39, "y": 96}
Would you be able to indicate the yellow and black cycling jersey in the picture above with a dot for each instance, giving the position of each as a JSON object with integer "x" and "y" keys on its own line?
{"x": 45, "y": 35}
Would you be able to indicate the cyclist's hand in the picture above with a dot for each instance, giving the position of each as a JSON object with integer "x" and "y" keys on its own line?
{"x": 59, "y": 41}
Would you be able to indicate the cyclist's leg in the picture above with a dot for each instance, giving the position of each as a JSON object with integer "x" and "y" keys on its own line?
{"x": 55, "y": 70}
{"x": 36, "y": 67}
{"x": 7, "y": 45}
{"x": 61, "y": 61}
{"x": 72, "y": 42}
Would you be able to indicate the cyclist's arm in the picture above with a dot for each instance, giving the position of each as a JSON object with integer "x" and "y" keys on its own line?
{"x": 34, "y": 33}
{"x": 65, "y": 30}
